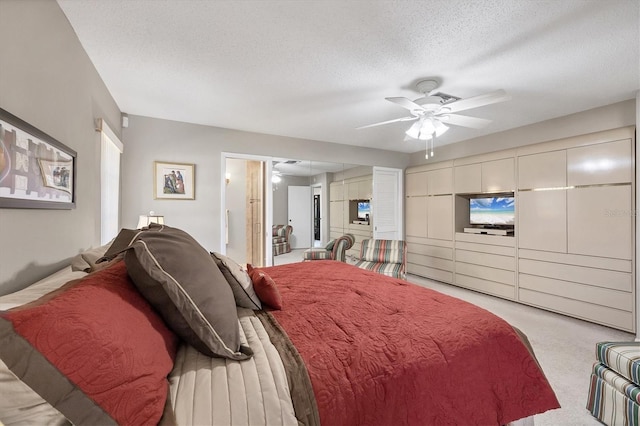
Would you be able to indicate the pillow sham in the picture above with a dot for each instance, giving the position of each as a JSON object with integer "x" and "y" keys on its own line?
{"x": 265, "y": 287}
{"x": 239, "y": 281}
{"x": 181, "y": 280}
{"x": 94, "y": 349}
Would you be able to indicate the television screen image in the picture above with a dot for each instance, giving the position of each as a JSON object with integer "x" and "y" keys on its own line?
{"x": 492, "y": 211}
{"x": 364, "y": 210}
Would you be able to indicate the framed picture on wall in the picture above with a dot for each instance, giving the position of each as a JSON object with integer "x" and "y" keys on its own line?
{"x": 173, "y": 181}
{"x": 36, "y": 171}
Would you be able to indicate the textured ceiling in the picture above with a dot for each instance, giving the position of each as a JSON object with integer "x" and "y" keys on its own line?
{"x": 319, "y": 69}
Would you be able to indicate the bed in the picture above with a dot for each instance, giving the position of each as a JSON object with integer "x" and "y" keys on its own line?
{"x": 346, "y": 347}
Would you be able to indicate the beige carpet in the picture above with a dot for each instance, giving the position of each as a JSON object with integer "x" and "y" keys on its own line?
{"x": 564, "y": 346}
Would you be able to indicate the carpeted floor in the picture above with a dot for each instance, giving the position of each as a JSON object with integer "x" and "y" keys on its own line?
{"x": 564, "y": 346}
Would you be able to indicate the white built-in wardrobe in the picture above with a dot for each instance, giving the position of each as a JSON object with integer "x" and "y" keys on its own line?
{"x": 573, "y": 246}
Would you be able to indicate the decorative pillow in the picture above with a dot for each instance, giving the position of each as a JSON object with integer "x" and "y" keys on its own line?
{"x": 94, "y": 349}
{"x": 265, "y": 287}
{"x": 181, "y": 280}
{"x": 239, "y": 281}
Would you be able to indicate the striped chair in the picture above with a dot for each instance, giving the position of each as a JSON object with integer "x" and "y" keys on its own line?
{"x": 335, "y": 250}
{"x": 614, "y": 390}
{"x": 387, "y": 257}
{"x": 281, "y": 235}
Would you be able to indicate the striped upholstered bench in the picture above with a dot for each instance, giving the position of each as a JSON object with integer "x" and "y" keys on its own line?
{"x": 614, "y": 391}
{"x": 387, "y": 257}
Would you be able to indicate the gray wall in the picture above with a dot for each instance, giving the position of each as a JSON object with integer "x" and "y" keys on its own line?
{"x": 594, "y": 120}
{"x": 47, "y": 80}
{"x": 149, "y": 139}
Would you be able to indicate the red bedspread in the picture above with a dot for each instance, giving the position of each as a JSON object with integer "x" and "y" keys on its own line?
{"x": 382, "y": 351}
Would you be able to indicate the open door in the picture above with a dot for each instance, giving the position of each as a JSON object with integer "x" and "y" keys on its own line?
{"x": 387, "y": 204}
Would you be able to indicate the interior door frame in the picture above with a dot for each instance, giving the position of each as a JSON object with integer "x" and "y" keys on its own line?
{"x": 268, "y": 201}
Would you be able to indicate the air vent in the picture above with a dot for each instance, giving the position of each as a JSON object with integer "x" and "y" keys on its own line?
{"x": 446, "y": 98}
{"x": 291, "y": 162}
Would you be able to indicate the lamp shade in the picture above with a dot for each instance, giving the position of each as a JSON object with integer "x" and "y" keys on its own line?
{"x": 425, "y": 128}
{"x": 145, "y": 220}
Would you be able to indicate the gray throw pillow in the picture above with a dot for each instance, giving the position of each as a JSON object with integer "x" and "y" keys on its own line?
{"x": 330, "y": 245}
{"x": 239, "y": 281}
{"x": 181, "y": 280}
{"x": 120, "y": 243}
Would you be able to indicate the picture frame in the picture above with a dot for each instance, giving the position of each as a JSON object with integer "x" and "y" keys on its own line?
{"x": 36, "y": 170}
{"x": 173, "y": 181}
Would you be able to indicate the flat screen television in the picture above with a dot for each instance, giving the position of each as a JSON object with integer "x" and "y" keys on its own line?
{"x": 494, "y": 211}
{"x": 364, "y": 210}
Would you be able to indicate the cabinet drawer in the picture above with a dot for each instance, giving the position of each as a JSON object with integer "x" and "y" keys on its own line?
{"x": 591, "y": 276}
{"x": 585, "y": 293}
{"x": 576, "y": 308}
{"x": 433, "y": 251}
{"x": 486, "y": 259}
{"x": 486, "y": 286}
{"x": 485, "y": 248}
{"x": 486, "y": 273}
{"x": 431, "y": 262}
{"x": 432, "y": 273}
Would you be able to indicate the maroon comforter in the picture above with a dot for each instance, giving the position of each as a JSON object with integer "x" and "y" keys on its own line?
{"x": 382, "y": 351}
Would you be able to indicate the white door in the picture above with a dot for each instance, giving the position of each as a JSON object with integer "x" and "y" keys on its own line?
{"x": 300, "y": 216}
{"x": 387, "y": 203}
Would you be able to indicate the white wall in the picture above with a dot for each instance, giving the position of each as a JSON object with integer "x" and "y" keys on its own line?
{"x": 236, "y": 202}
{"x": 47, "y": 80}
{"x": 149, "y": 139}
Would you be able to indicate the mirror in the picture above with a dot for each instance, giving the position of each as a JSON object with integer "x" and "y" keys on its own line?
{"x": 320, "y": 200}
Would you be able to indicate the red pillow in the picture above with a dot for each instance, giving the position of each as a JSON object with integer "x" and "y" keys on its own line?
{"x": 265, "y": 287}
{"x": 96, "y": 350}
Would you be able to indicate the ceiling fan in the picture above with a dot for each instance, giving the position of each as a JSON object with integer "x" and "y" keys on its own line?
{"x": 433, "y": 110}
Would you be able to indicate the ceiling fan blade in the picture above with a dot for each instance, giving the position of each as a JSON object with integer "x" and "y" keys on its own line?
{"x": 406, "y": 103}
{"x": 464, "y": 121}
{"x": 478, "y": 101}
{"x": 387, "y": 122}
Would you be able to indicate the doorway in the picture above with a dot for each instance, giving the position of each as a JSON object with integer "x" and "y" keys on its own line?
{"x": 245, "y": 204}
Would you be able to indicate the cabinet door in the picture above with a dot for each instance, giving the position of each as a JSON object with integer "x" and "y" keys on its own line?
{"x": 440, "y": 214}
{"x": 336, "y": 215}
{"x": 336, "y": 191}
{"x": 416, "y": 216}
{"x": 546, "y": 170}
{"x": 365, "y": 189}
{"x": 601, "y": 221}
{"x": 345, "y": 212}
{"x": 467, "y": 178}
{"x": 609, "y": 162}
{"x": 353, "y": 190}
{"x": 498, "y": 175}
{"x": 542, "y": 220}
{"x": 440, "y": 181}
{"x": 416, "y": 184}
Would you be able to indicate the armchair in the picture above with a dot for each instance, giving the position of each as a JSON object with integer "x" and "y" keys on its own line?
{"x": 281, "y": 235}
{"x": 335, "y": 250}
{"x": 387, "y": 257}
